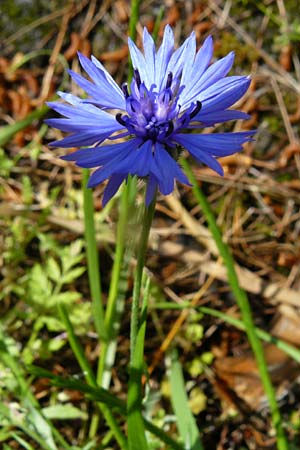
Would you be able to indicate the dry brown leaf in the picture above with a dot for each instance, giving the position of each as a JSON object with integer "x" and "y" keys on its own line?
{"x": 115, "y": 55}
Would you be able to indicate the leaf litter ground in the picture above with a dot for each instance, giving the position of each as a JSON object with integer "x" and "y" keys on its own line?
{"x": 257, "y": 205}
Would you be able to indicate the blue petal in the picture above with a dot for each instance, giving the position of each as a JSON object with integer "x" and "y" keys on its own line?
{"x": 71, "y": 125}
{"x": 65, "y": 125}
{"x": 166, "y": 183}
{"x": 108, "y": 92}
{"x": 163, "y": 56}
{"x": 113, "y": 185}
{"x": 67, "y": 110}
{"x": 88, "y": 123}
{"x": 210, "y": 119}
{"x": 217, "y": 70}
{"x": 94, "y": 73}
{"x": 194, "y": 68}
{"x": 181, "y": 57}
{"x": 142, "y": 162}
{"x": 213, "y": 74}
{"x": 102, "y": 95}
{"x": 171, "y": 164}
{"x": 220, "y": 87}
{"x": 80, "y": 139}
{"x": 109, "y": 78}
{"x": 124, "y": 164}
{"x": 100, "y": 175}
{"x": 70, "y": 98}
{"x": 103, "y": 173}
{"x": 227, "y": 98}
{"x": 137, "y": 162}
{"x": 89, "y": 87}
{"x": 139, "y": 63}
{"x": 199, "y": 153}
{"x": 149, "y": 51}
{"x": 98, "y": 156}
{"x": 78, "y": 108}
{"x": 165, "y": 169}
{"x": 220, "y": 144}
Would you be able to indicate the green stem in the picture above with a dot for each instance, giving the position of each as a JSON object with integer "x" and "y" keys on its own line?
{"x": 116, "y": 296}
{"x": 157, "y": 22}
{"x": 117, "y": 290}
{"x": 133, "y": 20}
{"x": 134, "y": 17}
{"x": 135, "y": 308}
{"x": 77, "y": 348}
{"x": 114, "y": 287}
{"x": 135, "y": 421}
{"x": 94, "y": 279}
{"x": 136, "y": 428}
{"x": 92, "y": 258}
{"x": 244, "y": 305}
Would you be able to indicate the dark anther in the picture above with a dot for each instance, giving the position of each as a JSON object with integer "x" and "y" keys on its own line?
{"x": 137, "y": 78}
{"x": 170, "y": 128}
{"x": 132, "y": 102}
{"x": 120, "y": 119}
{"x": 169, "y": 80}
{"x": 125, "y": 90}
{"x": 196, "y": 109}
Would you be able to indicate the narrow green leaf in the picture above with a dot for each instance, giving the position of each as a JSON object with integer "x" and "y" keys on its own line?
{"x": 158, "y": 432}
{"x": 22, "y": 442}
{"x": 64, "y": 412}
{"x": 7, "y": 132}
{"x": 40, "y": 424}
{"x": 93, "y": 258}
{"x": 99, "y": 394}
{"x": 186, "y": 423}
{"x": 289, "y": 349}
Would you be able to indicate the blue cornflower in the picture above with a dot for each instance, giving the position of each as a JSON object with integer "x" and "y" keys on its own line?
{"x": 172, "y": 92}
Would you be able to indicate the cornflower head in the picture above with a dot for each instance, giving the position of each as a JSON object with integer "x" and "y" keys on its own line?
{"x": 140, "y": 129}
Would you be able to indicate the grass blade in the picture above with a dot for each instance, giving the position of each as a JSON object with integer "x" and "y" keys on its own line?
{"x": 245, "y": 308}
{"x": 7, "y": 132}
{"x": 92, "y": 258}
{"x": 289, "y": 349}
{"x": 186, "y": 423}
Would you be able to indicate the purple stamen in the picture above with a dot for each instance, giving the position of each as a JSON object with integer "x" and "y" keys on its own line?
{"x": 120, "y": 119}
{"x": 170, "y": 128}
{"x": 137, "y": 78}
{"x": 196, "y": 110}
{"x": 169, "y": 80}
{"x": 125, "y": 90}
